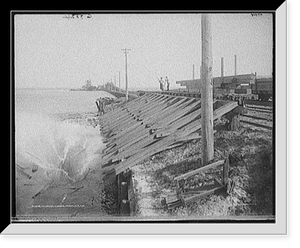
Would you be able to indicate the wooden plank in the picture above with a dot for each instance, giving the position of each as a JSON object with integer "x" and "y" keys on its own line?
{"x": 202, "y": 195}
{"x": 259, "y": 110}
{"x": 219, "y": 182}
{"x": 197, "y": 171}
{"x": 176, "y": 204}
{"x": 257, "y": 125}
{"x": 224, "y": 109}
{"x": 258, "y": 103}
{"x": 225, "y": 171}
{"x": 191, "y": 136}
{"x": 270, "y": 108}
{"x": 180, "y": 122}
{"x": 256, "y": 117}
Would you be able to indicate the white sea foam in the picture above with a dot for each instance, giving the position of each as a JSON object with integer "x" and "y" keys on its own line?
{"x": 59, "y": 147}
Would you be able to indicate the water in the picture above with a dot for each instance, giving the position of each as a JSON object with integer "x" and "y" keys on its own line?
{"x": 56, "y": 101}
{"x": 55, "y": 130}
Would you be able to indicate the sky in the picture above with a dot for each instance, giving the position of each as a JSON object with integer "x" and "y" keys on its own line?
{"x": 52, "y": 50}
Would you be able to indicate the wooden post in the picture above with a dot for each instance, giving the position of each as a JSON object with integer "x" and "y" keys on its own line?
{"x": 234, "y": 122}
{"x": 123, "y": 202}
{"x": 98, "y": 107}
{"x": 234, "y": 118}
{"x": 207, "y": 136}
{"x": 225, "y": 171}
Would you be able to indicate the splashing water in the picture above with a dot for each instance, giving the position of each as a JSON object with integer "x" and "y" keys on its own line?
{"x": 61, "y": 148}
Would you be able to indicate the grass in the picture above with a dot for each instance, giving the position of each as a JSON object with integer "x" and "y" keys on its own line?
{"x": 251, "y": 170}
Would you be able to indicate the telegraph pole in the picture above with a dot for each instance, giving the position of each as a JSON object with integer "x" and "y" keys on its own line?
{"x": 207, "y": 121}
{"x": 120, "y": 80}
{"x": 193, "y": 72}
{"x": 234, "y": 65}
{"x": 126, "y": 78}
{"x": 222, "y": 71}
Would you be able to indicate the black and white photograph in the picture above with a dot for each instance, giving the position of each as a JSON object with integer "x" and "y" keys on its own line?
{"x": 144, "y": 117}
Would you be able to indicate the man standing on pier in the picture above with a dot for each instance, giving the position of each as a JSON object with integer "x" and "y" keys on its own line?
{"x": 168, "y": 83}
{"x": 161, "y": 84}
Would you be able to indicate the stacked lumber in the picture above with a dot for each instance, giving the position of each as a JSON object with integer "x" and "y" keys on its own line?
{"x": 148, "y": 125}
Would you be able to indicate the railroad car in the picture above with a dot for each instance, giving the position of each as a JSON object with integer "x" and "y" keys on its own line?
{"x": 250, "y": 87}
{"x": 263, "y": 87}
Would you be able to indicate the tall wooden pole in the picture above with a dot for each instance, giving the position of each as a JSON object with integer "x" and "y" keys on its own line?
{"x": 126, "y": 78}
{"x": 193, "y": 72}
{"x": 234, "y": 65}
{"x": 207, "y": 136}
{"x": 222, "y": 70}
{"x": 120, "y": 80}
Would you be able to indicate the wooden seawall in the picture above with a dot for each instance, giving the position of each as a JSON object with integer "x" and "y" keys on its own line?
{"x": 151, "y": 124}
{"x": 148, "y": 125}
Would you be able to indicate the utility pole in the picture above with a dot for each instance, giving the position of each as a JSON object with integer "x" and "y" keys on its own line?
{"x": 120, "y": 80}
{"x": 234, "y": 65}
{"x": 193, "y": 72}
{"x": 126, "y": 77}
{"x": 222, "y": 71}
{"x": 207, "y": 136}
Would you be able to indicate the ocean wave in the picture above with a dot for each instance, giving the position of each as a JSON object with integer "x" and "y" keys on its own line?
{"x": 64, "y": 149}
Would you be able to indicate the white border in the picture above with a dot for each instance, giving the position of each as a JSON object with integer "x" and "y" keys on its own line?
{"x": 281, "y": 117}
{"x": 279, "y": 228}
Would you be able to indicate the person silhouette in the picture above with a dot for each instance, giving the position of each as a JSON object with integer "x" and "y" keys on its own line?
{"x": 161, "y": 83}
{"x": 168, "y": 83}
